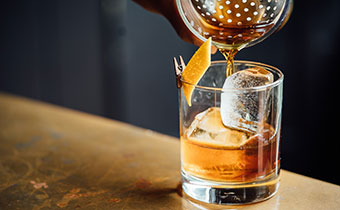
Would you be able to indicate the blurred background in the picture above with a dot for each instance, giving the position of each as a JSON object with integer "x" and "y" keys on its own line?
{"x": 114, "y": 59}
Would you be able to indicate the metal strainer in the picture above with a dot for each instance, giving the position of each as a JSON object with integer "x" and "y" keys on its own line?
{"x": 233, "y": 23}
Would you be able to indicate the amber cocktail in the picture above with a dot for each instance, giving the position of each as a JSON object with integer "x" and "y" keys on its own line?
{"x": 230, "y": 135}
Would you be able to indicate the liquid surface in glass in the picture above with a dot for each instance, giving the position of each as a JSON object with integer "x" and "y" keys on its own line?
{"x": 215, "y": 152}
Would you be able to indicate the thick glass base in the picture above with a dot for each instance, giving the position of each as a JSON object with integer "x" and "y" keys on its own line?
{"x": 229, "y": 193}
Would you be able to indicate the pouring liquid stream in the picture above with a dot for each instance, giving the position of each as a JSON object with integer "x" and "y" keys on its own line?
{"x": 229, "y": 56}
{"x": 235, "y": 39}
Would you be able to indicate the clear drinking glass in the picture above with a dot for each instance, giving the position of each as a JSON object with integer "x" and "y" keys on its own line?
{"x": 237, "y": 164}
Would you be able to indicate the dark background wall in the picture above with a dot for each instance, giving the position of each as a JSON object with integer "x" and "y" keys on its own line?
{"x": 114, "y": 59}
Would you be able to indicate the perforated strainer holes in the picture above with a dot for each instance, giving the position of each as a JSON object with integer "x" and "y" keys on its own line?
{"x": 234, "y": 13}
{"x": 217, "y": 9}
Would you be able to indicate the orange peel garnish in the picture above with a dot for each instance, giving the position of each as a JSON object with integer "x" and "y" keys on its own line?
{"x": 197, "y": 66}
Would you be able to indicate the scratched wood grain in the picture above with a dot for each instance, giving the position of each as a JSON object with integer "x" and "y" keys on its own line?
{"x": 56, "y": 158}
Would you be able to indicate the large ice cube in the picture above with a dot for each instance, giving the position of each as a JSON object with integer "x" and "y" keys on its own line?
{"x": 244, "y": 109}
{"x": 208, "y": 128}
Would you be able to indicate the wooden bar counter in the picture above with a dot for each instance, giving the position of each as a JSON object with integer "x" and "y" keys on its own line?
{"x": 54, "y": 158}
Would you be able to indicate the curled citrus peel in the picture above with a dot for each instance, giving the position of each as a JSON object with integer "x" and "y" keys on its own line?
{"x": 197, "y": 66}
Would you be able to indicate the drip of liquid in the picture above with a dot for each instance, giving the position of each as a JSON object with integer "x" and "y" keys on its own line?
{"x": 229, "y": 56}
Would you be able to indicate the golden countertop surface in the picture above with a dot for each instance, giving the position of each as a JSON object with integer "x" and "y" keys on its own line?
{"x": 57, "y": 158}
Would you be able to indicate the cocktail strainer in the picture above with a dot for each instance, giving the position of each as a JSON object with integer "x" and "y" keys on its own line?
{"x": 234, "y": 24}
